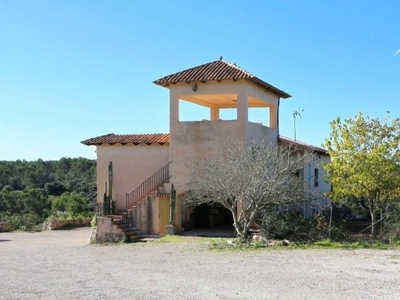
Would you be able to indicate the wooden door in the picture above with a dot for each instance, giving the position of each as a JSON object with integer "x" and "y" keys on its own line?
{"x": 163, "y": 214}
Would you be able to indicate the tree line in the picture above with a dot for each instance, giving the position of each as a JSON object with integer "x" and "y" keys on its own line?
{"x": 31, "y": 191}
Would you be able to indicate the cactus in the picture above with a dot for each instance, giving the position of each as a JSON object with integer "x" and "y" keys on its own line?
{"x": 172, "y": 199}
{"x": 108, "y": 202}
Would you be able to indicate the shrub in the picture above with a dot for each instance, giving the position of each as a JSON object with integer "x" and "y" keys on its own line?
{"x": 72, "y": 203}
{"x": 287, "y": 225}
{"x": 391, "y": 222}
{"x": 294, "y": 226}
{"x": 25, "y": 222}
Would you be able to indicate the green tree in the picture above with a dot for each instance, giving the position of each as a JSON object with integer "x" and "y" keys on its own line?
{"x": 25, "y": 187}
{"x": 36, "y": 202}
{"x": 13, "y": 201}
{"x": 73, "y": 203}
{"x": 365, "y": 162}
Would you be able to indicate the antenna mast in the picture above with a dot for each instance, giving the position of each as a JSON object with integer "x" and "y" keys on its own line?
{"x": 296, "y": 113}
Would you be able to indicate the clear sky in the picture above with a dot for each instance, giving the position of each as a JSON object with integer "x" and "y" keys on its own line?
{"x": 72, "y": 70}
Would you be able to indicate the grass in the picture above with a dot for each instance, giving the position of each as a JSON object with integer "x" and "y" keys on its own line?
{"x": 234, "y": 244}
{"x": 171, "y": 239}
{"x": 361, "y": 244}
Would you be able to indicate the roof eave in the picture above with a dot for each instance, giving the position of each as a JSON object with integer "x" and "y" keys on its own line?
{"x": 284, "y": 140}
{"x": 269, "y": 87}
{"x": 255, "y": 80}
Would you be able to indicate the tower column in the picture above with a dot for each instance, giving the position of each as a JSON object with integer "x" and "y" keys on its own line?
{"x": 273, "y": 117}
{"x": 242, "y": 106}
{"x": 214, "y": 113}
{"x": 173, "y": 107}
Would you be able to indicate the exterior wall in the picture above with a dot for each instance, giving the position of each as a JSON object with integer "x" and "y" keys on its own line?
{"x": 323, "y": 186}
{"x": 146, "y": 215}
{"x": 189, "y": 143}
{"x": 131, "y": 166}
{"x": 192, "y": 141}
{"x": 257, "y": 132}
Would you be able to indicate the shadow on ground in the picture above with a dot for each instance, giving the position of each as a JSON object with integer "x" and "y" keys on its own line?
{"x": 217, "y": 231}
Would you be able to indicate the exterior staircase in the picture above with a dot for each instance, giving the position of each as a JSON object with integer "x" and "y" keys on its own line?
{"x": 130, "y": 233}
{"x": 122, "y": 222}
{"x": 147, "y": 186}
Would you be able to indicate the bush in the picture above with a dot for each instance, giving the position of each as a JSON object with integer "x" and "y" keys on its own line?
{"x": 296, "y": 227}
{"x": 25, "y": 222}
{"x": 391, "y": 222}
{"x": 287, "y": 225}
{"x": 72, "y": 203}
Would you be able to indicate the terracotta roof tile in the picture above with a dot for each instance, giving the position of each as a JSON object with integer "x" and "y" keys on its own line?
{"x": 163, "y": 195}
{"x": 136, "y": 139}
{"x": 217, "y": 71}
{"x": 163, "y": 138}
{"x": 286, "y": 140}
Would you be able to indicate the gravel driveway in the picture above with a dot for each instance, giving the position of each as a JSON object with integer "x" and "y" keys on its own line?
{"x": 59, "y": 265}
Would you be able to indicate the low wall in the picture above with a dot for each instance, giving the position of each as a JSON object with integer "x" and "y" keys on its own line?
{"x": 3, "y": 226}
{"x": 107, "y": 232}
{"x": 59, "y": 224}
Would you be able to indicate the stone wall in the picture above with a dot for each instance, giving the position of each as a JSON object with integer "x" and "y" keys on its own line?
{"x": 107, "y": 232}
{"x": 59, "y": 224}
{"x": 3, "y": 226}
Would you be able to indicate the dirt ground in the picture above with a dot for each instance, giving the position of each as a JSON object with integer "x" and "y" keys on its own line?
{"x": 60, "y": 265}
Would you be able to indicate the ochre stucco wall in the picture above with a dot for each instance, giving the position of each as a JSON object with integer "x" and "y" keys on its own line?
{"x": 191, "y": 142}
{"x": 257, "y": 132}
{"x": 132, "y": 164}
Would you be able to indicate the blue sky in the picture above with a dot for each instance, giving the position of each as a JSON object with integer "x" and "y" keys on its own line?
{"x": 72, "y": 70}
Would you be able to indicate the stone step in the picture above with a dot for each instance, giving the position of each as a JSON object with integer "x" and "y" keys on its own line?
{"x": 133, "y": 237}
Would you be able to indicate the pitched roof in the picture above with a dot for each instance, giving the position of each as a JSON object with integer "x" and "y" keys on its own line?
{"x": 217, "y": 71}
{"x": 163, "y": 138}
{"x": 285, "y": 140}
{"x": 136, "y": 139}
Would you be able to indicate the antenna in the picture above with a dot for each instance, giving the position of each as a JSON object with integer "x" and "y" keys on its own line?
{"x": 296, "y": 113}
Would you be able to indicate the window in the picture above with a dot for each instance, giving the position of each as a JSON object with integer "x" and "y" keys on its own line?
{"x": 316, "y": 176}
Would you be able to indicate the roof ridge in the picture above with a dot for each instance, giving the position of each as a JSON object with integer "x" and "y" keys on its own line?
{"x": 152, "y": 133}
{"x": 217, "y": 70}
{"x": 234, "y": 65}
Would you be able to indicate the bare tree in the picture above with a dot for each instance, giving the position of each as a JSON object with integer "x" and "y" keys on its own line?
{"x": 247, "y": 179}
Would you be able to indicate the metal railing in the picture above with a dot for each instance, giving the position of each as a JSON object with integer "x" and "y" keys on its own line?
{"x": 147, "y": 186}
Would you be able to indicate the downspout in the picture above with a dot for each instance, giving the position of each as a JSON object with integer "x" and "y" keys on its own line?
{"x": 277, "y": 120}
{"x": 172, "y": 200}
